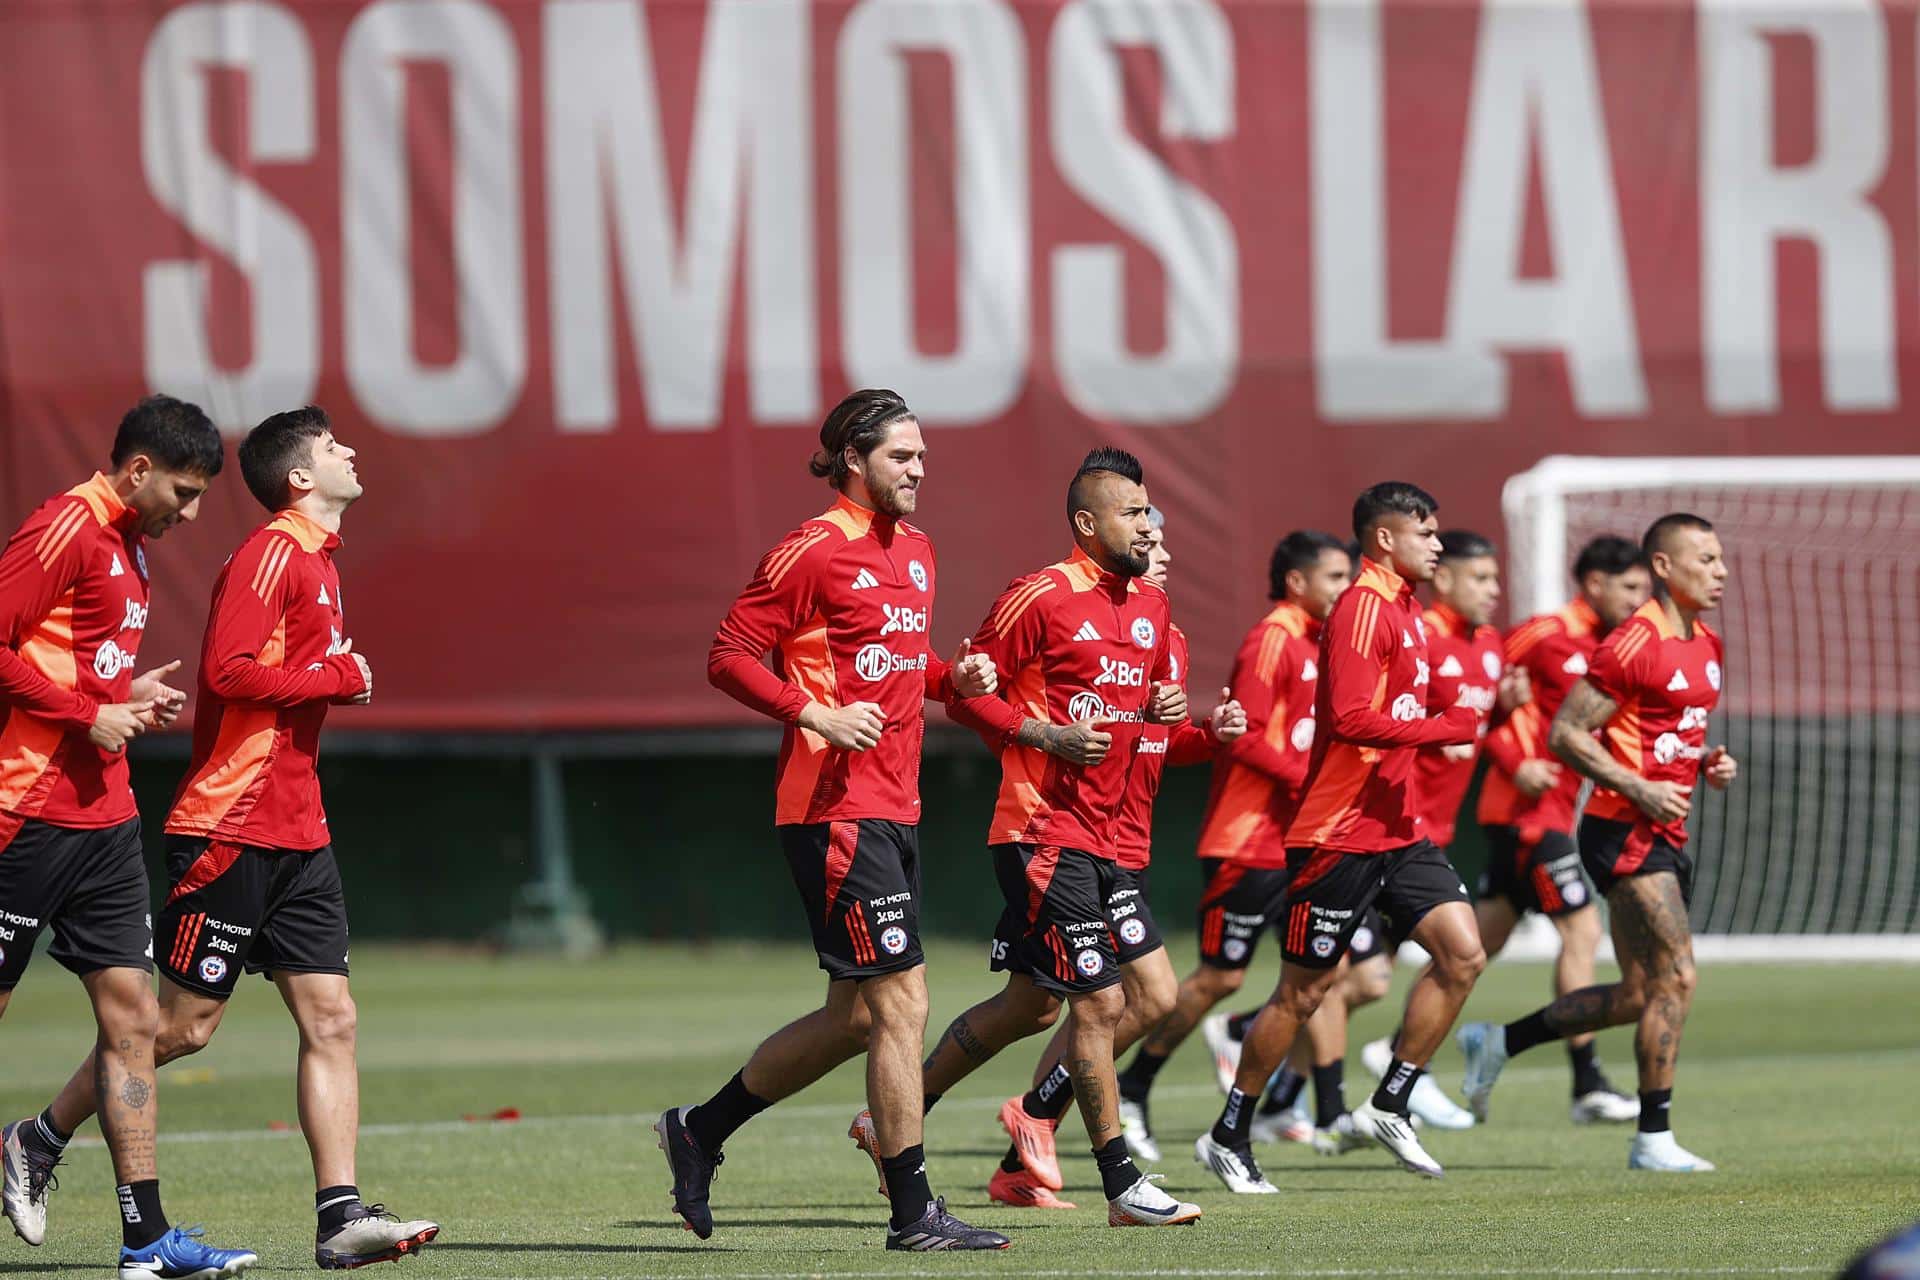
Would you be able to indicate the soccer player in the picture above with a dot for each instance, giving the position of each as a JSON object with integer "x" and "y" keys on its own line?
{"x": 1356, "y": 838}
{"x": 1085, "y": 648}
{"x": 1650, "y": 686}
{"x": 73, "y": 610}
{"x": 1468, "y": 670}
{"x": 254, "y": 886}
{"x": 845, "y": 602}
{"x": 1256, "y": 785}
{"x": 1527, "y": 800}
{"x": 1029, "y": 1173}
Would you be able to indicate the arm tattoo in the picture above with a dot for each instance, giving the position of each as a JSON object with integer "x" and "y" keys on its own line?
{"x": 1571, "y": 737}
{"x": 134, "y": 1092}
{"x": 1035, "y": 733}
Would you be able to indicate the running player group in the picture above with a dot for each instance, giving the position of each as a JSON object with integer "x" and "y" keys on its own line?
{"x": 253, "y": 885}
{"x": 1341, "y": 750}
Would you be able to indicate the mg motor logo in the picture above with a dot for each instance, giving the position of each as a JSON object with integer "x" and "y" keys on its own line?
{"x": 1408, "y": 707}
{"x": 1086, "y": 706}
{"x": 1126, "y": 675}
{"x": 877, "y": 662}
{"x": 903, "y": 620}
{"x": 111, "y": 660}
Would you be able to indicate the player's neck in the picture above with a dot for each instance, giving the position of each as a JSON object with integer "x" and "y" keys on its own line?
{"x": 1679, "y": 615}
{"x": 326, "y": 515}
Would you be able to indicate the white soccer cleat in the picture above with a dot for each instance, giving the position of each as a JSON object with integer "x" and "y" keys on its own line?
{"x": 1339, "y": 1137}
{"x": 1145, "y": 1205}
{"x": 1485, "y": 1048}
{"x": 1224, "y": 1048}
{"x": 1377, "y": 1056}
{"x": 1432, "y": 1107}
{"x": 1395, "y": 1133}
{"x": 1605, "y": 1106}
{"x": 1285, "y": 1126}
{"x": 378, "y": 1236}
{"x": 1659, "y": 1153}
{"x": 1237, "y": 1169}
{"x": 1138, "y": 1132}
{"x": 23, "y": 1188}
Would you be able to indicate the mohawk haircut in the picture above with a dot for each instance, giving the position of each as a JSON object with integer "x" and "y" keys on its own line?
{"x": 1102, "y": 461}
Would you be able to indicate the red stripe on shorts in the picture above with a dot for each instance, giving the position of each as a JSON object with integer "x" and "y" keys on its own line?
{"x": 1634, "y": 852}
{"x": 1040, "y": 869}
{"x": 208, "y": 867}
{"x": 843, "y": 838}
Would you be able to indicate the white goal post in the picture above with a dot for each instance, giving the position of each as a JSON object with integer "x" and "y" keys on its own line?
{"x": 1815, "y": 854}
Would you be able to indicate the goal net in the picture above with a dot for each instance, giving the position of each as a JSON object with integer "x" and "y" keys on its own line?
{"x": 1820, "y": 837}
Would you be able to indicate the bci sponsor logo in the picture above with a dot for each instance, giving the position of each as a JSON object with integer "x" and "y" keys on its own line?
{"x": 1125, "y": 674}
{"x": 903, "y": 620}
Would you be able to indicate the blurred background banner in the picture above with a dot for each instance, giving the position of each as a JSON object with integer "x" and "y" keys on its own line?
{"x": 579, "y": 280}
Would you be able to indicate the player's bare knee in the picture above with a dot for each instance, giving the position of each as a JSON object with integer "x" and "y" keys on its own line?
{"x": 1368, "y": 983}
{"x": 1461, "y": 966}
{"x": 1102, "y": 1008}
{"x": 1219, "y": 983}
{"x": 331, "y": 1023}
{"x": 182, "y": 1037}
{"x": 1302, "y": 1000}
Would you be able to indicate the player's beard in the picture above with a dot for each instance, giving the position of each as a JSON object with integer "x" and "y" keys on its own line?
{"x": 1128, "y": 564}
{"x": 901, "y": 500}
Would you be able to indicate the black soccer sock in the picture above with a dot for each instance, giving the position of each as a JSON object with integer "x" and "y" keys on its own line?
{"x": 44, "y": 1136}
{"x": 1529, "y": 1031}
{"x": 1239, "y": 1023}
{"x": 337, "y": 1206}
{"x": 1656, "y": 1110}
{"x": 1136, "y": 1082}
{"x": 1396, "y": 1087}
{"x": 1010, "y": 1162}
{"x": 1050, "y": 1099}
{"x": 927, "y": 1100}
{"x": 1283, "y": 1092}
{"x": 1329, "y": 1094}
{"x": 1586, "y": 1068}
{"x": 1235, "y": 1125}
{"x": 713, "y": 1121}
{"x": 1116, "y": 1168}
{"x": 907, "y": 1188}
{"x": 141, "y": 1219}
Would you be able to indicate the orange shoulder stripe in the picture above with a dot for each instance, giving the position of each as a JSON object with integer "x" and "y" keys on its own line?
{"x": 60, "y": 533}
{"x": 781, "y": 560}
{"x": 1367, "y": 617}
{"x": 1018, "y": 603}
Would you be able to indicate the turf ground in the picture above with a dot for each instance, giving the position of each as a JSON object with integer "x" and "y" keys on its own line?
{"x": 1799, "y": 1081}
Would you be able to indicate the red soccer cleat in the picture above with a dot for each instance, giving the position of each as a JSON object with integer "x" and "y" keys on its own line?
{"x": 867, "y": 1139}
{"x": 1033, "y": 1142}
{"x": 1024, "y": 1190}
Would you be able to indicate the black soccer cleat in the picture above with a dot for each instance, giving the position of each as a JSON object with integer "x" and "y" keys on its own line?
{"x": 693, "y": 1169}
{"x": 938, "y": 1230}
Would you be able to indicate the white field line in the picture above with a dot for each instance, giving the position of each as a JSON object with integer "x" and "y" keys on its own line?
{"x": 991, "y": 1102}
{"x": 1309, "y": 1273}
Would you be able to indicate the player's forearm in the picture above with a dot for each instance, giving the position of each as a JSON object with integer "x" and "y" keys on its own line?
{"x": 1505, "y": 752}
{"x": 747, "y": 680}
{"x": 939, "y": 679}
{"x": 1254, "y": 752}
{"x": 1365, "y": 727}
{"x": 1191, "y": 744}
{"x": 242, "y": 679}
{"x": 990, "y": 717}
{"x": 1586, "y": 756}
{"x": 23, "y": 687}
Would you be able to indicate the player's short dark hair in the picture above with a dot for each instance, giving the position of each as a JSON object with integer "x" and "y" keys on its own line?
{"x": 1661, "y": 530}
{"x": 1104, "y": 459}
{"x": 1610, "y": 554}
{"x": 860, "y": 421}
{"x": 274, "y": 448}
{"x": 1390, "y": 498}
{"x": 1300, "y": 550}
{"x": 1464, "y": 544}
{"x": 173, "y": 433}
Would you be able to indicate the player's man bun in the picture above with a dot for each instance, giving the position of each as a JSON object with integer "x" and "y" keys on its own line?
{"x": 1299, "y": 550}
{"x": 1390, "y": 497}
{"x": 275, "y": 447}
{"x": 1610, "y": 554}
{"x": 1464, "y": 544}
{"x": 174, "y": 434}
{"x": 860, "y": 421}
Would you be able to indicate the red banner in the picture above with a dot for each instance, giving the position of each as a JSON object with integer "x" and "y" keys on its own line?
{"x": 580, "y": 278}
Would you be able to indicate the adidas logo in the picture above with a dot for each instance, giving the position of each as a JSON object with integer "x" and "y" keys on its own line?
{"x": 117, "y": 568}
{"x": 1406, "y": 641}
{"x": 1678, "y": 682}
{"x": 323, "y": 594}
{"x": 1575, "y": 665}
{"x": 865, "y": 579}
{"x": 1086, "y": 632}
{"x": 1309, "y": 671}
{"x": 1452, "y": 667}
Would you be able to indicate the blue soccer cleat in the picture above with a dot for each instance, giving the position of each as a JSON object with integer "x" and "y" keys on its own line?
{"x": 180, "y": 1255}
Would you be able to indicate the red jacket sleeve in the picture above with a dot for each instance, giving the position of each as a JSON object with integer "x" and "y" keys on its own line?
{"x": 246, "y": 611}
{"x": 939, "y": 678}
{"x": 782, "y": 595}
{"x": 1503, "y": 748}
{"x": 29, "y": 588}
{"x": 1013, "y": 635}
{"x": 1351, "y": 673}
{"x": 1262, "y": 677}
{"x": 1619, "y": 666}
{"x": 1191, "y": 744}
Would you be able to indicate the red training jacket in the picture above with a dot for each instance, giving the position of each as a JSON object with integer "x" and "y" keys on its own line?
{"x": 1466, "y": 671}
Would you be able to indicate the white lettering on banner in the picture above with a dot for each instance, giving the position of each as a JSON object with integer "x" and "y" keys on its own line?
{"x": 1749, "y": 204}
{"x": 987, "y": 368}
{"x": 1189, "y": 234}
{"x": 903, "y": 619}
{"x": 228, "y": 212}
{"x": 1534, "y": 82}
{"x": 1365, "y": 375}
{"x": 1126, "y": 675}
{"x": 751, "y": 157}
{"x": 483, "y": 383}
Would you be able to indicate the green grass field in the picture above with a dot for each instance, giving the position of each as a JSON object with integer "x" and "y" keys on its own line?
{"x": 1799, "y": 1081}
